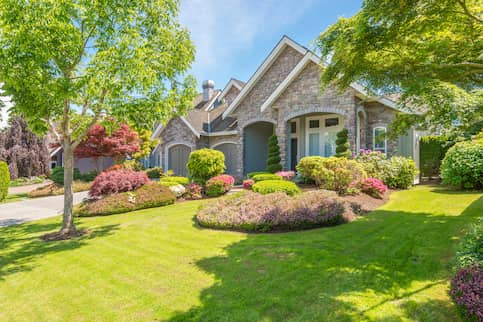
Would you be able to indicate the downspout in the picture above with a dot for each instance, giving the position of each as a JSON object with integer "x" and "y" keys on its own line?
{"x": 209, "y": 129}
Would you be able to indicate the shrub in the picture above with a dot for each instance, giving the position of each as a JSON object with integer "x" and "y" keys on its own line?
{"x": 286, "y": 175}
{"x": 250, "y": 211}
{"x": 204, "y": 164}
{"x": 332, "y": 173}
{"x": 4, "y": 180}
{"x": 55, "y": 189}
{"x": 373, "y": 187}
{"x": 462, "y": 165}
{"x": 432, "y": 149}
{"x": 399, "y": 172}
{"x": 112, "y": 182}
{"x": 193, "y": 191}
{"x": 252, "y": 174}
{"x": 88, "y": 176}
{"x": 133, "y": 165}
{"x": 373, "y": 162}
{"x": 273, "y": 159}
{"x": 177, "y": 189}
{"x": 147, "y": 196}
{"x": 179, "y": 180}
{"x": 57, "y": 175}
{"x": 247, "y": 184}
{"x": 470, "y": 250}
{"x": 115, "y": 167}
{"x": 154, "y": 173}
{"x": 268, "y": 176}
{"x": 219, "y": 185}
{"x": 466, "y": 290}
{"x": 271, "y": 186}
{"x": 342, "y": 148}
{"x": 23, "y": 181}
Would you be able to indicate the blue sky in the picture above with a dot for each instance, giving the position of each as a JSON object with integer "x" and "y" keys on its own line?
{"x": 232, "y": 37}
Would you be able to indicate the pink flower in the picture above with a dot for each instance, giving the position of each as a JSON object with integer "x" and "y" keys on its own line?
{"x": 247, "y": 184}
{"x": 373, "y": 187}
{"x": 286, "y": 175}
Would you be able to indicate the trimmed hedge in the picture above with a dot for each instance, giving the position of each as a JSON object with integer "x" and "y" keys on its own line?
{"x": 4, "y": 180}
{"x": 250, "y": 175}
{"x": 273, "y": 159}
{"x": 432, "y": 149}
{"x": 342, "y": 148}
{"x": 271, "y": 186}
{"x": 462, "y": 167}
{"x": 178, "y": 180}
{"x": 248, "y": 211}
{"x": 266, "y": 176}
{"x": 148, "y": 196}
{"x": 204, "y": 164}
{"x": 57, "y": 175}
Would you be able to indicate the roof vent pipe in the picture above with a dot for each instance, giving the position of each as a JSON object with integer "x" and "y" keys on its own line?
{"x": 208, "y": 90}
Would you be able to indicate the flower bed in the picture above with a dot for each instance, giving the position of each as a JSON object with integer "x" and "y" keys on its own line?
{"x": 249, "y": 211}
{"x": 148, "y": 196}
{"x": 55, "y": 189}
{"x": 219, "y": 185}
{"x": 112, "y": 182}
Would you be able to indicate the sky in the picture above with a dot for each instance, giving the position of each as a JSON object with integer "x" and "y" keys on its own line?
{"x": 233, "y": 37}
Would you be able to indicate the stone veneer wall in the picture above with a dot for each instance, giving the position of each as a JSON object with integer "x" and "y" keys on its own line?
{"x": 176, "y": 132}
{"x": 379, "y": 115}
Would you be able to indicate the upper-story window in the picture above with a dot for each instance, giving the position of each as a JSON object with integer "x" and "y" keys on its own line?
{"x": 314, "y": 124}
{"x": 379, "y": 139}
{"x": 293, "y": 127}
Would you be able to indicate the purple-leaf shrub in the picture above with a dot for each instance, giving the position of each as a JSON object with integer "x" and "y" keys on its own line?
{"x": 373, "y": 187}
{"x": 108, "y": 183}
{"x": 251, "y": 211}
{"x": 286, "y": 175}
{"x": 466, "y": 290}
{"x": 247, "y": 184}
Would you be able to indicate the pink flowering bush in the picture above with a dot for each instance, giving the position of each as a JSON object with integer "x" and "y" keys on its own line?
{"x": 249, "y": 211}
{"x": 373, "y": 187}
{"x": 286, "y": 175}
{"x": 219, "y": 185}
{"x": 247, "y": 184}
{"x": 466, "y": 290}
{"x": 111, "y": 182}
{"x": 193, "y": 191}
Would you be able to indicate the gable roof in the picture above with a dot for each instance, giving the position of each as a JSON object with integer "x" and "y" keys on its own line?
{"x": 262, "y": 69}
{"x": 238, "y": 84}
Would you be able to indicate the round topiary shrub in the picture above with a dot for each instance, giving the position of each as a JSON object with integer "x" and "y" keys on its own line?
{"x": 204, "y": 164}
{"x": 4, "y": 180}
{"x": 57, "y": 175}
{"x": 273, "y": 160}
{"x": 271, "y": 186}
{"x": 266, "y": 176}
{"x": 112, "y": 182}
{"x": 462, "y": 166}
{"x": 342, "y": 148}
{"x": 399, "y": 172}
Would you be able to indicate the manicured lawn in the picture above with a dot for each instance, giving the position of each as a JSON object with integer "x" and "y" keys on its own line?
{"x": 156, "y": 264}
{"x": 15, "y": 197}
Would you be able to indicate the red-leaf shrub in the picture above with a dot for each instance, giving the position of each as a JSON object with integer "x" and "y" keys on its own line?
{"x": 250, "y": 211}
{"x": 466, "y": 290}
{"x": 373, "y": 187}
{"x": 228, "y": 181}
{"x": 247, "y": 184}
{"x": 108, "y": 183}
{"x": 193, "y": 191}
{"x": 115, "y": 167}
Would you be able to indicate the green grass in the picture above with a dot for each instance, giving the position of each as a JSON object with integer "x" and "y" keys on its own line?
{"x": 156, "y": 264}
{"x": 15, "y": 197}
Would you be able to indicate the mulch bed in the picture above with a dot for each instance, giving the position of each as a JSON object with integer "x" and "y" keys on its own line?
{"x": 59, "y": 235}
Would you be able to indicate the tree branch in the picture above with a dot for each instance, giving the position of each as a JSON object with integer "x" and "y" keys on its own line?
{"x": 462, "y": 3}
{"x": 53, "y": 129}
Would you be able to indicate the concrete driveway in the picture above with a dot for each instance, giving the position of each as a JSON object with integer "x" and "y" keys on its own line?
{"x": 22, "y": 211}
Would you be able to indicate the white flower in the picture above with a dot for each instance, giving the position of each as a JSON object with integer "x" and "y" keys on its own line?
{"x": 178, "y": 190}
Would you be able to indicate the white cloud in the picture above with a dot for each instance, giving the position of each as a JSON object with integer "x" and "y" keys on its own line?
{"x": 220, "y": 28}
{"x": 4, "y": 111}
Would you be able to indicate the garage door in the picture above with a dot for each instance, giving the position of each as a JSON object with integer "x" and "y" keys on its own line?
{"x": 177, "y": 158}
{"x": 229, "y": 150}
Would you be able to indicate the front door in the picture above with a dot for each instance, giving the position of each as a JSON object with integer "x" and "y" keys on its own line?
{"x": 293, "y": 153}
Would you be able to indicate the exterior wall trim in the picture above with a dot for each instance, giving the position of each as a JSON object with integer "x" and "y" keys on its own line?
{"x": 224, "y": 142}
{"x": 256, "y": 120}
{"x": 314, "y": 109}
{"x": 227, "y": 88}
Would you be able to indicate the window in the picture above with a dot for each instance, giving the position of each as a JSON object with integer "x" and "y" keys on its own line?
{"x": 293, "y": 127}
{"x": 380, "y": 139}
{"x": 333, "y": 121}
{"x": 314, "y": 124}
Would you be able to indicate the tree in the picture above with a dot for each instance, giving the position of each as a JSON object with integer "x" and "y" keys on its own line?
{"x": 67, "y": 64}
{"x": 25, "y": 152}
{"x": 428, "y": 53}
{"x": 147, "y": 144}
{"x": 98, "y": 143}
{"x": 342, "y": 149}
{"x": 273, "y": 159}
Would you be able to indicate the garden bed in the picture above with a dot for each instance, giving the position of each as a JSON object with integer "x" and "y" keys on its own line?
{"x": 55, "y": 189}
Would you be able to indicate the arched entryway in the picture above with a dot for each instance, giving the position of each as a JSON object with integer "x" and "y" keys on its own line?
{"x": 230, "y": 152}
{"x": 255, "y": 146}
{"x": 177, "y": 158}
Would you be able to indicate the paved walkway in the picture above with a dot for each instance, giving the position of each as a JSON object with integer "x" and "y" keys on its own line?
{"x": 22, "y": 211}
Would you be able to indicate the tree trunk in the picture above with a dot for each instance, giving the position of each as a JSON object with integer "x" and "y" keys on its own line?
{"x": 68, "y": 218}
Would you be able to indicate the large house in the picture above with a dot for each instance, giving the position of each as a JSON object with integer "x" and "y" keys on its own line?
{"x": 282, "y": 97}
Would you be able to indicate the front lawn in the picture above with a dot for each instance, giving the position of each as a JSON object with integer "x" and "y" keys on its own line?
{"x": 13, "y": 197}
{"x": 156, "y": 264}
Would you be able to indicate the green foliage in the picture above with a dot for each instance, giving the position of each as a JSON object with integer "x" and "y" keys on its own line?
{"x": 23, "y": 181}
{"x": 215, "y": 188}
{"x": 470, "y": 250}
{"x": 57, "y": 175}
{"x": 267, "y": 176}
{"x": 133, "y": 164}
{"x": 273, "y": 159}
{"x": 399, "y": 172}
{"x": 147, "y": 144}
{"x": 432, "y": 149}
{"x": 178, "y": 180}
{"x": 342, "y": 149}
{"x": 4, "y": 180}
{"x": 154, "y": 173}
{"x": 204, "y": 164}
{"x": 332, "y": 173}
{"x": 427, "y": 51}
{"x": 374, "y": 163}
{"x": 271, "y": 186}
{"x": 252, "y": 174}
{"x": 88, "y": 176}
{"x": 462, "y": 167}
